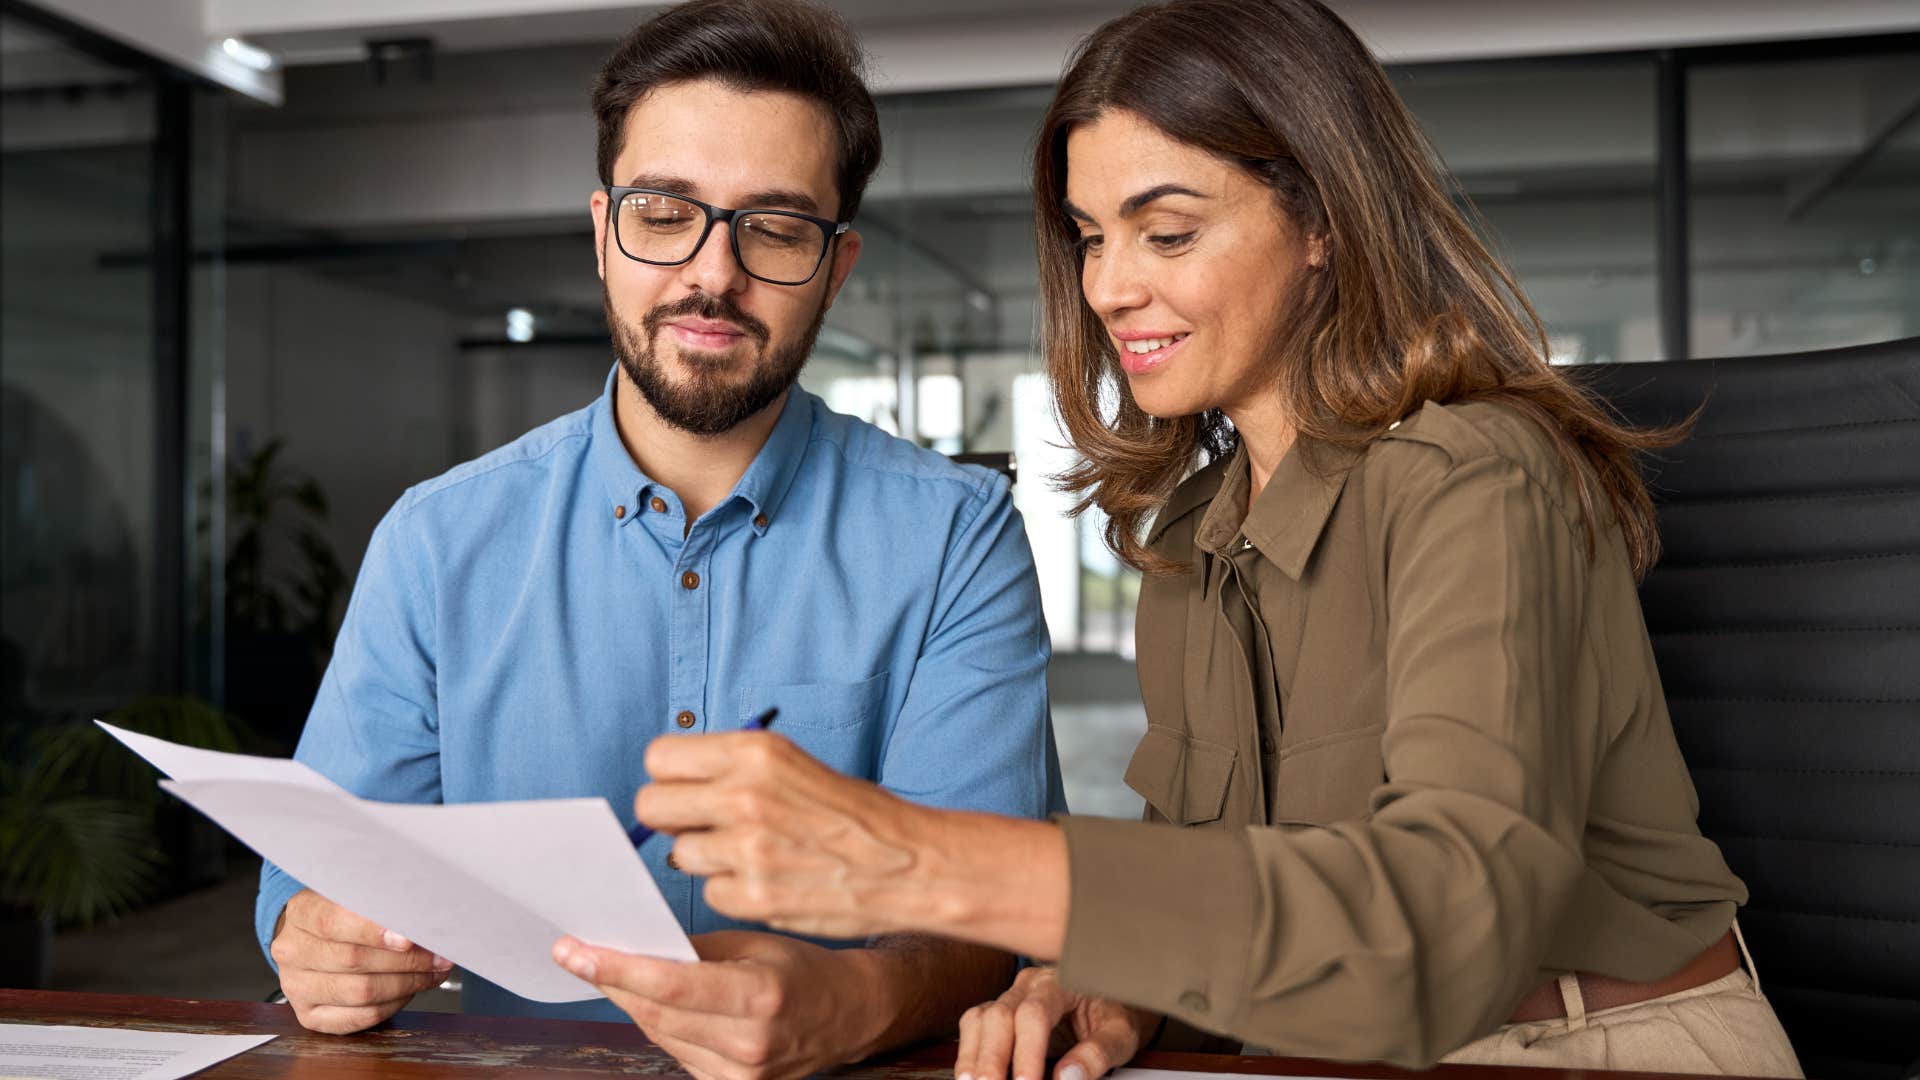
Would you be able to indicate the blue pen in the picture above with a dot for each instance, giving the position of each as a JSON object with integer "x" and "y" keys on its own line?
{"x": 640, "y": 833}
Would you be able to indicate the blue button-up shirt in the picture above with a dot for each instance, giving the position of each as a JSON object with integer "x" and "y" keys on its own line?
{"x": 525, "y": 624}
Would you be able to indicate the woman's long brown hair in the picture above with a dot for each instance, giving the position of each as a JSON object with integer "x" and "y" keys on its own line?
{"x": 1410, "y": 307}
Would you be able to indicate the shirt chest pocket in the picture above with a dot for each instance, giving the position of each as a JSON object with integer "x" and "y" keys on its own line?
{"x": 1183, "y": 778}
{"x": 838, "y": 723}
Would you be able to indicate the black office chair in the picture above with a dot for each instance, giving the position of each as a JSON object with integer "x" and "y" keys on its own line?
{"x": 1785, "y": 615}
{"x": 1001, "y": 462}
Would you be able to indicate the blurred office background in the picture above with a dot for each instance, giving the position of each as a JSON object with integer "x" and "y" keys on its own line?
{"x": 266, "y": 264}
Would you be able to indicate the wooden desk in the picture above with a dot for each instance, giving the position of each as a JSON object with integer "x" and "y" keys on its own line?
{"x": 439, "y": 1046}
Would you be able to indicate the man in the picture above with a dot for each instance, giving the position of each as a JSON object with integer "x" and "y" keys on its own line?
{"x": 701, "y": 544}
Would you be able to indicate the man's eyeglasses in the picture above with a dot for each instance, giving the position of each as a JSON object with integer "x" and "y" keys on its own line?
{"x": 779, "y": 247}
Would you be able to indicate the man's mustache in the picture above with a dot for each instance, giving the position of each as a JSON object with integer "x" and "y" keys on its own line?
{"x": 705, "y": 306}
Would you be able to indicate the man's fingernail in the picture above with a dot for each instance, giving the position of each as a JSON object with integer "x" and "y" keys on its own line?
{"x": 395, "y": 942}
{"x": 441, "y": 963}
{"x": 962, "y": 1076}
{"x": 1073, "y": 1072}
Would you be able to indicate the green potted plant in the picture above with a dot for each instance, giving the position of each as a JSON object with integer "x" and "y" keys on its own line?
{"x": 283, "y": 583}
{"x": 70, "y": 855}
{"x": 86, "y": 831}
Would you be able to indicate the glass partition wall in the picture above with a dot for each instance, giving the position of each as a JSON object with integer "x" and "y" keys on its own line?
{"x": 1804, "y": 191}
{"x": 110, "y": 580}
{"x": 78, "y": 376}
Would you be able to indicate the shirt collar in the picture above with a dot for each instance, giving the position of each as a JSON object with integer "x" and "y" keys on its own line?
{"x": 1292, "y": 511}
{"x": 622, "y": 479}
{"x": 764, "y": 485}
{"x": 1194, "y": 492}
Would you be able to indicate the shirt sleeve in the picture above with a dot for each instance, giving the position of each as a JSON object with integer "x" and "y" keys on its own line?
{"x": 973, "y": 731}
{"x": 1402, "y": 935}
{"x": 374, "y": 727}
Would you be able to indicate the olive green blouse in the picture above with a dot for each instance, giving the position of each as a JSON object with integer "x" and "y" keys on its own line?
{"x": 1407, "y": 755}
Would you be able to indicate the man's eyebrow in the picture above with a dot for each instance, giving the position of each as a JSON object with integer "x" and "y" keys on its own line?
{"x": 773, "y": 199}
{"x": 672, "y": 185}
{"x": 782, "y": 199}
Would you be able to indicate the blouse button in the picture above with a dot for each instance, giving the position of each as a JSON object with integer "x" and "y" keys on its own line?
{"x": 685, "y": 719}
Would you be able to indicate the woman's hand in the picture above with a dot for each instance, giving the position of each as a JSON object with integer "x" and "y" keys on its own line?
{"x": 786, "y": 841}
{"x": 781, "y": 838}
{"x": 1012, "y": 1035}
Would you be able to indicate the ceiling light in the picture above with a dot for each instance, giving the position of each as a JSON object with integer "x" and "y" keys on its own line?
{"x": 252, "y": 56}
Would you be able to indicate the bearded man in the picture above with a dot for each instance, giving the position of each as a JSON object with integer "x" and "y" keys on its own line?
{"x": 702, "y": 543}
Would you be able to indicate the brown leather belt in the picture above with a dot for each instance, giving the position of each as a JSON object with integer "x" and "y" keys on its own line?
{"x": 1605, "y": 992}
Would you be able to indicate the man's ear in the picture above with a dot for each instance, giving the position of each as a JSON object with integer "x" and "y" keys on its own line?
{"x": 846, "y": 252}
{"x": 597, "y": 206}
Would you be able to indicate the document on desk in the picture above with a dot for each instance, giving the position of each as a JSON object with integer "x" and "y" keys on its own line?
{"x": 489, "y": 886}
{"x": 61, "y": 1052}
{"x": 1182, "y": 1074}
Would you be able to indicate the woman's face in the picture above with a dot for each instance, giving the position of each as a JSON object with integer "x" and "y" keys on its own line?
{"x": 1187, "y": 260}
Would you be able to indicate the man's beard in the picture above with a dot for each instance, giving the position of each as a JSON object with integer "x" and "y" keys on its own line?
{"x": 704, "y": 401}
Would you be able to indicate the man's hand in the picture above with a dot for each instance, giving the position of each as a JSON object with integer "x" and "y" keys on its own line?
{"x": 756, "y": 1007}
{"x": 1012, "y": 1035}
{"x": 342, "y": 973}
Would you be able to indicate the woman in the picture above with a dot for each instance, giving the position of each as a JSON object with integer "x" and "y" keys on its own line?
{"x": 1412, "y": 790}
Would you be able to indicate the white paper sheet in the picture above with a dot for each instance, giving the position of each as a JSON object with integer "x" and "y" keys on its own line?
{"x": 1177, "y": 1074}
{"x": 490, "y": 886}
{"x": 1181, "y": 1075}
{"x": 60, "y": 1052}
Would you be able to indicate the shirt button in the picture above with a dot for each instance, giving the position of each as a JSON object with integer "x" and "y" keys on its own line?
{"x": 619, "y": 512}
{"x": 689, "y": 580}
{"x": 672, "y": 863}
{"x": 760, "y": 521}
{"x": 685, "y": 719}
{"x": 659, "y": 504}
{"x": 1266, "y": 743}
{"x": 1195, "y": 1000}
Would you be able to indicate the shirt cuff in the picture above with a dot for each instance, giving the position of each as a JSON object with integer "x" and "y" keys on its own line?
{"x": 276, "y": 888}
{"x": 1159, "y": 917}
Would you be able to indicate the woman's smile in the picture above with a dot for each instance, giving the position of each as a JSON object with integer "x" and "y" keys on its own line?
{"x": 1143, "y": 352}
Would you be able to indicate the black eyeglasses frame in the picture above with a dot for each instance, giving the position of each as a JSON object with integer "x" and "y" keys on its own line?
{"x": 830, "y": 230}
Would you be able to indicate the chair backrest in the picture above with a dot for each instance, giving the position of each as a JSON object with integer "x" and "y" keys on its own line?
{"x": 1001, "y": 462}
{"x": 1785, "y": 614}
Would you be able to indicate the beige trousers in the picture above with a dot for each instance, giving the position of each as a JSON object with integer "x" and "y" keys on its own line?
{"x": 1724, "y": 1027}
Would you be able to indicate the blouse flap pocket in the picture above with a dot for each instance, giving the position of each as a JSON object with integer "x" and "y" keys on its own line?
{"x": 1182, "y": 777}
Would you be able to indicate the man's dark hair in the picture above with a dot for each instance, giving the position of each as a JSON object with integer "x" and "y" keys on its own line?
{"x": 786, "y": 45}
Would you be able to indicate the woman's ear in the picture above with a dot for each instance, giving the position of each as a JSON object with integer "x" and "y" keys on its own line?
{"x": 1317, "y": 251}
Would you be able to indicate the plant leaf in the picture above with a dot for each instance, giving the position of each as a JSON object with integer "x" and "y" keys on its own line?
{"x": 75, "y": 857}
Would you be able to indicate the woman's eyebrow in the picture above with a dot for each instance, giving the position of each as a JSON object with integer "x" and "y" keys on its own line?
{"x": 1134, "y": 203}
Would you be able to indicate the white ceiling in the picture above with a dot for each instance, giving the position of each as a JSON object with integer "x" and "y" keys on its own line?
{"x": 1399, "y": 29}
{"x": 952, "y": 44}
